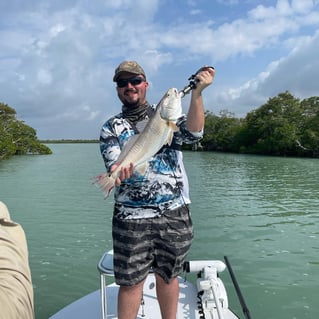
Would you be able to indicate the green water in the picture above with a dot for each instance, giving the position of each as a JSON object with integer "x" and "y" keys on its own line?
{"x": 262, "y": 212}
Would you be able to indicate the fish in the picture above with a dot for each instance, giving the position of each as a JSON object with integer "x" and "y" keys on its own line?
{"x": 140, "y": 148}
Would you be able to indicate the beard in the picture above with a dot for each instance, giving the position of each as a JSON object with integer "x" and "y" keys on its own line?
{"x": 131, "y": 99}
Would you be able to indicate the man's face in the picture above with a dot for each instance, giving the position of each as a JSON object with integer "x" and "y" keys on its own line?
{"x": 131, "y": 89}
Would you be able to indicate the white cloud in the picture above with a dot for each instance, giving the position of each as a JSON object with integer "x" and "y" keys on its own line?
{"x": 296, "y": 73}
{"x": 302, "y": 6}
{"x": 56, "y": 29}
{"x": 57, "y": 58}
{"x": 44, "y": 77}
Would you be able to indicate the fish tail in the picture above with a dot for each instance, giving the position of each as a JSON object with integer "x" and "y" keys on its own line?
{"x": 105, "y": 182}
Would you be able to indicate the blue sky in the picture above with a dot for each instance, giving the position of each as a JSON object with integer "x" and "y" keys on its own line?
{"x": 57, "y": 57}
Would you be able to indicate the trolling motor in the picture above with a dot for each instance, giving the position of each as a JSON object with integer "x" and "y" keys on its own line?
{"x": 193, "y": 81}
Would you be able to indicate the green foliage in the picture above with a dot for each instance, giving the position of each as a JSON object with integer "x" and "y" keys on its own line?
{"x": 17, "y": 138}
{"x": 220, "y": 131}
{"x": 283, "y": 126}
{"x": 309, "y": 125}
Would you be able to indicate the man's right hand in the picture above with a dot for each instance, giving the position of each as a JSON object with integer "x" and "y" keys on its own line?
{"x": 125, "y": 173}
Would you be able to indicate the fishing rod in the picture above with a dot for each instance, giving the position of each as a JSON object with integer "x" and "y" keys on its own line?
{"x": 239, "y": 294}
{"x": 193, "y": 81}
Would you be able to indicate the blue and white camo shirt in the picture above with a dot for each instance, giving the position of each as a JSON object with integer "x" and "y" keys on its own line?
{"x": 164, "y": 185}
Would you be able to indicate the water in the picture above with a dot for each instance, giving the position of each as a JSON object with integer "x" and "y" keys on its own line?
{"x": 262, "y": 212}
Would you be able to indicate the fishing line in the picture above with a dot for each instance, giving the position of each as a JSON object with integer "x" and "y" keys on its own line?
{"x": 178, "y": 185}
{"x": 187, "y": 89}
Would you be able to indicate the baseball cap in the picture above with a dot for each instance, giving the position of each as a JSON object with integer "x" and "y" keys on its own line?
{"x": 128, "y": 66}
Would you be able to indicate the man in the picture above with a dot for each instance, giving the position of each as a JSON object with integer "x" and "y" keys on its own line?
{"x": 151, "y": 223}
{"x": 16, "y": 291}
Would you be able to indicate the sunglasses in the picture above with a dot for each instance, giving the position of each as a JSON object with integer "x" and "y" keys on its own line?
{"x": 136, "y": 80}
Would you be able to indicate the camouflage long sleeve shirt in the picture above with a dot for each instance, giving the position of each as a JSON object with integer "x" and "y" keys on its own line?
{"x": 164, "y": 185}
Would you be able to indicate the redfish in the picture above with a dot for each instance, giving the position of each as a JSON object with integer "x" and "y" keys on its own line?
{"x": 140, "y": 148}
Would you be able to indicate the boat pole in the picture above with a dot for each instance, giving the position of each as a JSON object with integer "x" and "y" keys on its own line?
{"x": 239, "y": 294}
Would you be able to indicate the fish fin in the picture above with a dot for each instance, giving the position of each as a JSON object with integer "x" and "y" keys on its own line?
{"x": 170, "y": 136}
{"x": 105, "y": 182}
{"x": 141, "y": 168}
{"x": 173, "y": 126}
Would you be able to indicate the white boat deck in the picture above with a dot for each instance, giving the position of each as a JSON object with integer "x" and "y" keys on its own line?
{"x": 89, "y": 307}
{"x": 210, "y": 303}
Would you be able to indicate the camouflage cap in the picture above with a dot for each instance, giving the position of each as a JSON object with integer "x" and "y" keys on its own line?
{"x": 130, "y": 67}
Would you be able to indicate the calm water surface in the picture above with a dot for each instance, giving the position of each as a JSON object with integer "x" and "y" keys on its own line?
{"x": 262, "y": 212}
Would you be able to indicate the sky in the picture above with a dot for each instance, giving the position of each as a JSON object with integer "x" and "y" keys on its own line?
{"x": 57, "y": 57}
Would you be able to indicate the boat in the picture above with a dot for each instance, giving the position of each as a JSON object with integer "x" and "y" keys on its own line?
{"x": 205, "y": 299}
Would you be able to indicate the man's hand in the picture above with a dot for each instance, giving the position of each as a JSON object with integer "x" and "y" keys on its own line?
{"x": 125, "y": 173}
{"x": 205, "y": 78}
